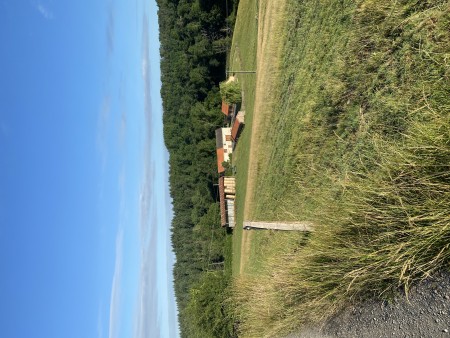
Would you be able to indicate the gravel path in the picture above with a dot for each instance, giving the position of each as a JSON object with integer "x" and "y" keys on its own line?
{"x": 426, "y": 314}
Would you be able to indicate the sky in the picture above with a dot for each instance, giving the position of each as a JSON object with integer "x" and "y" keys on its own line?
{"x": 85, "y": 209}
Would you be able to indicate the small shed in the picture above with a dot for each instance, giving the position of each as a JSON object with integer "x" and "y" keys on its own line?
{"x": 227, "y": 109}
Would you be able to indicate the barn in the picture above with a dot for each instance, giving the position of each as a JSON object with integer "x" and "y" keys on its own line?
{"x": 227, "y": 193}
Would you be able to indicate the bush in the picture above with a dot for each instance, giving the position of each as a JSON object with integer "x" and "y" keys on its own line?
{"x": 230, "y": 92}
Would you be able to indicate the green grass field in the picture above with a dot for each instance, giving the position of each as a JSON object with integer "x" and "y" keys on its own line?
{"x": 243, "y": 57}
{"x": 357, "y": 140}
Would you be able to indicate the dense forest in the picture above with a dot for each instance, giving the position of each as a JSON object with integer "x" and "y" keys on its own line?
{"x": 194, "y": 36}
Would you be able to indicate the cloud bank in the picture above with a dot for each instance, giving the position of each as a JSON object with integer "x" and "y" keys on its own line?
{"x": 149, "y": 173}
{"x": 147, "y": 324}
{"x": 155, "y": 313}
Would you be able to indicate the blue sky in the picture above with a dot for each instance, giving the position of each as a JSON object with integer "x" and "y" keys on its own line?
{"x": 84, "y": 202}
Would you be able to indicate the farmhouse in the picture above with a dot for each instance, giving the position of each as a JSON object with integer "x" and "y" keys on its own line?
{"x": 224, "y": 147}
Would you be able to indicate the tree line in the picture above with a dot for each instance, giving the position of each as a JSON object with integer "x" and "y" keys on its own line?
{"x": 194, "y": 37}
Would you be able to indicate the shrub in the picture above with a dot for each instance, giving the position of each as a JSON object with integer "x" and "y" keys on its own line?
{"x": 230, "y": 92}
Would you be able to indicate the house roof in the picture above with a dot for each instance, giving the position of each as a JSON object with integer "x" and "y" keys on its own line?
{"x": 223, "y": 212}
{"x": 225, "y": 108}
{"x": 219, "y": 138}
{"x": 220, "y": 160}
{"x": 237, "y": 128}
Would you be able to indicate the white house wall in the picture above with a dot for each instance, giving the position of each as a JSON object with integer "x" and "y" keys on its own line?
{"x": 227, "y": 145}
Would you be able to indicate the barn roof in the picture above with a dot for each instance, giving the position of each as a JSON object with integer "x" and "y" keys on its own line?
{"x": 235, "y": 130}
{"x": 220, "y": 160}
{"x": 238, "y": 124}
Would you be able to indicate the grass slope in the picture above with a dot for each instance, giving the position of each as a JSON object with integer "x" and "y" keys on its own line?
{"x": 243, "y": 57}
{"x": 357, "y": 140}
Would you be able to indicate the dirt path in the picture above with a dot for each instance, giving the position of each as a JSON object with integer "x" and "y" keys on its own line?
{"x": 270, "y": 17}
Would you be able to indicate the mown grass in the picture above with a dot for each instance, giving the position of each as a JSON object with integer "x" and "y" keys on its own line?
{"x": 243, "y": 57}
{"x": 359, "y": 143}
{"x": 253, "y": 244}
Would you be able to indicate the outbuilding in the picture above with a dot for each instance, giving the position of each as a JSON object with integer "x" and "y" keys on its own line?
{"x": 227, "y": 109}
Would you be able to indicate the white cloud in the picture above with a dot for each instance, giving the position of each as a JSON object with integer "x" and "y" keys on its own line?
{"x": 110, "y": 30}
{"x": 123, "y": 113}
{"x": 114, "y": 304}
{"x": 100, "y": 322}
{"x": 45, "y": 11}
{"x": 146, "y": 321}
{"x": 103, "y": 130}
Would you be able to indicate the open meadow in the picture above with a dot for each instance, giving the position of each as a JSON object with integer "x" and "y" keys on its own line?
{"x": 348, "y": 127}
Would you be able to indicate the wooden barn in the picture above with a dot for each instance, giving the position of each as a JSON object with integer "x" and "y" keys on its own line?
{"x": 227, "y": 194}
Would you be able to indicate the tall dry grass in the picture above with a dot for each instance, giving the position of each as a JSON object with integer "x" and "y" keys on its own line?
{"x": 375, "y": 175}
{"x": 392, "y": 228}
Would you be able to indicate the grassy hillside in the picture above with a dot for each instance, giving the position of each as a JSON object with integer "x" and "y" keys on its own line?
{"x": 354, "y": 136}
{"x": 243, "y": 57}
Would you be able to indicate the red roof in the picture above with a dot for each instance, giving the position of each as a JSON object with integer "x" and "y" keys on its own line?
{"x": 237, "y": 127}
{"x": 220, "y": 160}
{"x": 226, "y": 108}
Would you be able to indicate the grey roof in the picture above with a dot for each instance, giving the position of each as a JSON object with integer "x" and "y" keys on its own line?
{"x": 219, "y": 138}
